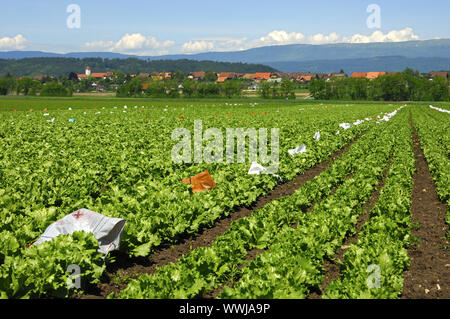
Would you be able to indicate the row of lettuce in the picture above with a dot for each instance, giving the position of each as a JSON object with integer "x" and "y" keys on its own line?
{"x": 97, "y": 163}
{"x": 373, "y": 266}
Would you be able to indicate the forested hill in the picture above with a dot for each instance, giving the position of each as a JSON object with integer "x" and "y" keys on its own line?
{"x": 63, "y": 66}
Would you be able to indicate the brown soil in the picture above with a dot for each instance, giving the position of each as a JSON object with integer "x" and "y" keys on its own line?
{"x": 429, "y": 274}
{"x": 332, "y": 268}
{"x": 124, "y": 268}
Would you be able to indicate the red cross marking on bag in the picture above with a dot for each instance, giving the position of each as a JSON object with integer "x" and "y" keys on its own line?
{"x": 77, "y": 214}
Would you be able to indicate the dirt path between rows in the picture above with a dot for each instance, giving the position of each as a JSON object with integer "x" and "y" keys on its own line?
{"x": 429, "y": 274}
{"x": 125, "y": 268}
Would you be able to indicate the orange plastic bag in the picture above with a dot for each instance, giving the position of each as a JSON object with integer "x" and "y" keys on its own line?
{"x": 202, "y": 182}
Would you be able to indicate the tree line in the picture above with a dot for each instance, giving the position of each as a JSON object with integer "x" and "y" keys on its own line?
{"x": 63, "y": 66}
{"x": 181, "y": 86}
{"x": 186, "y": 87}
{"x": 285, "y": 89}
{"x": 403, "y": 86}
{"x": 31, "y": 87}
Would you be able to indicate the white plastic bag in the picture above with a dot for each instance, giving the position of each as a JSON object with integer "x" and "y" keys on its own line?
{"x": 439, "y": 109}
{"x": 317, "y": 136}
{"x": 107, "y": 230}
{"x": 345, "y": 126}
{"x": 297, "y": 150}
{"x": 256, "y": 169}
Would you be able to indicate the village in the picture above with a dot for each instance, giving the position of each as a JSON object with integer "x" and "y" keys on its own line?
{"x": 300, "y": 77}
{"x": 254, "y": 79}
{"x": 225, "y": 84}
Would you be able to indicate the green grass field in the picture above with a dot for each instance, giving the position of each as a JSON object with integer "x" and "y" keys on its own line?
{"x": 23, "y": 103}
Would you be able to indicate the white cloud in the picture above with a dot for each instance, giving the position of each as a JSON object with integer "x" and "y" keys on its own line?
{"x": 19, "y": 42}
{"x": 99, "y": 45}
{"x": 280, "y": 37}
{"x": 276, "y": 37}
{"x": 136, "y": 41}
{"x": 131, "y": 42}
{"x": 320, "y": 38}
{"x": 139, "y": 44}
{"x": 406, "y": 34}
{"x": 214, "y": 44}
{"x": 197, "y": 46}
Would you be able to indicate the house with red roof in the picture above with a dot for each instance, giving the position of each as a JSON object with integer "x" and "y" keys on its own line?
{"x": 305, "y": 78}
{"x": 227, "y": 75}
{"x": 374, "y": 75}
{"x": 359, "y": 75}
{"x": 263, "y": 75}
{"x": 88, "y": 73}
{"x": 258, "y": 76}
{"x": 199, "y": 75}
{"x": 443, "y": 74}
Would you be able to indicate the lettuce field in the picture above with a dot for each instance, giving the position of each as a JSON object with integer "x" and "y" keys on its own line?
{"x": 360, "y": 212}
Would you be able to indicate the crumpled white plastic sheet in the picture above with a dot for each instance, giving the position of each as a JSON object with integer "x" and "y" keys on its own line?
{"x": 107, "y": 230}
{"x": 388, "y": 116}
{"x": 297, "y": 150}
{"x": 439, "y": 109}
{"x": 256, "y": 169}
{"x": 317, "y": 136}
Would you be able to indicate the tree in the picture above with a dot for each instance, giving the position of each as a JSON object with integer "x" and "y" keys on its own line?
{"x": 171, "y": 88}
{"x": 359, "y": 89}
{"x": 318, "y": 89}
{"x": 156, "y": 89}
{"x": 55, "y": 89}
{"x": 24, "y": 85}
{"x": 411, "y": 72}
{"x": 118, "y": 77}
{"x": 264, "y": 90}
{"x": 179, "y": 76}
{"x": 210, "y": 76}
{"x": 73, "y": 76}
{"x": 85, "y": 85}
{"x": 232, "y": 88}
{"x": 6, "y": 85}
{"x": 394, "y": 88}
{"x": 189, "y": 87}
{"x": 439, "y": 89}
{"x": 287, "y": 88}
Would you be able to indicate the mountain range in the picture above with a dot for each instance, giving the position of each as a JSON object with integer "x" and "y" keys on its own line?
{"x": 425, "y": 56}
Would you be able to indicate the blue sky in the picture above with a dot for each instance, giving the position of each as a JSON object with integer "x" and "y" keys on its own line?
{"x": 180, "y": 26}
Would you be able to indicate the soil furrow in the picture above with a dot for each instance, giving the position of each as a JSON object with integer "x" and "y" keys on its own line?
{"x": 429, "y": 273}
